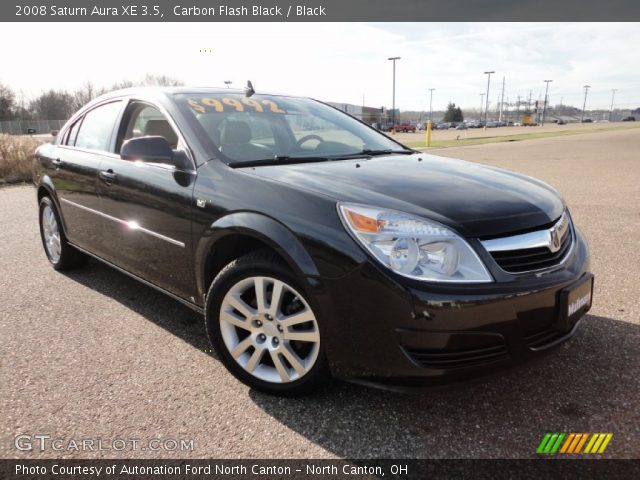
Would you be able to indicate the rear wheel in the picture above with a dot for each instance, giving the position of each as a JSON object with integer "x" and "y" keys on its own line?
{"x": 60, "y": 254}
{"x": 265, "y": 330}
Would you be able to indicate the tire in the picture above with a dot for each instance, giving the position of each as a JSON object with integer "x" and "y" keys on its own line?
{"x": 265, "y": 356}
{"x": 59, "y": 252}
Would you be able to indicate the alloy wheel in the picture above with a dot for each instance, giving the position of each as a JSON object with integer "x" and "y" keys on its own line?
{"x": 51, "y": 234}
{"x": 269, "y": 329}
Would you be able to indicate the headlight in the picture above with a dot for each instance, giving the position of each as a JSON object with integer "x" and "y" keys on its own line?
{"x": 414, "y": 247}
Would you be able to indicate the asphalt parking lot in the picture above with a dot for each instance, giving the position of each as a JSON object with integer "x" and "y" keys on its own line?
{"x": 93, "y": 354}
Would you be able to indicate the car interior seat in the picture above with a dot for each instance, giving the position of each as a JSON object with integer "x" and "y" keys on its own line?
{"x": 161, "y": 128}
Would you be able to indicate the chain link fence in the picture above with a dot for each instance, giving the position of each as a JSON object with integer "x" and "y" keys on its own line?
{"x": 30, "y": 127}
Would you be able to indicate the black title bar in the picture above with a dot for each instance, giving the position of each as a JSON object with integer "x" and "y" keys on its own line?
{"x": 319, "y": 10}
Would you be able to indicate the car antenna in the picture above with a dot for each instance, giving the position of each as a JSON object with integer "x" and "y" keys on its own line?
{"x": 248, "y": 90}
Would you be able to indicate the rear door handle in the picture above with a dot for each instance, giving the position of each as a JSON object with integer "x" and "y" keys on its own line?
{"x": 56, "y": 162}
{"x": 107, "y": 176}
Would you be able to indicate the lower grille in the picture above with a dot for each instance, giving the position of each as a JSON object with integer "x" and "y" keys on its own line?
{"x": 543, "y": 338}
{"x": 443, "y": 359}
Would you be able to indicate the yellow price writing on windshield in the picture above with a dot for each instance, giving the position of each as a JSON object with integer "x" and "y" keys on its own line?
{"x": 228, "y": 104}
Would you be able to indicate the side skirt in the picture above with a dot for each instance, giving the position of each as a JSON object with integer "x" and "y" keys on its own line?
{"x": 189, "y": 304}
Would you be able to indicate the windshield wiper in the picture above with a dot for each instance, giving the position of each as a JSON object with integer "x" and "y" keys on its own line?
{"x": 368, "y": 152}
{"x": 288, "y": 160}
{"x": 278, "y": 160}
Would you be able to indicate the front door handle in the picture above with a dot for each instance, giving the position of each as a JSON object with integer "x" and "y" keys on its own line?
{"x": 107, "y": 176}
{"x": 56, "y": 163}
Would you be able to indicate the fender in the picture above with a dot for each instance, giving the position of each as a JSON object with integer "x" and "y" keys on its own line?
{"x": 46, "y": 183}
{"x": 260, "y": 227}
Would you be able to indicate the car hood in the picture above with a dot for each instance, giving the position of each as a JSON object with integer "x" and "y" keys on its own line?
{"x": 476, "y": 200}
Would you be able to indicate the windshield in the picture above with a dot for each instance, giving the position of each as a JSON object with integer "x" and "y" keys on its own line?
{"x": 274, "y": 129}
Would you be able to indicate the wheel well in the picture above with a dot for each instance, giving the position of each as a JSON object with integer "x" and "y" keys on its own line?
{"x": 228, "y": 249}
{"x": 43, "y": 192}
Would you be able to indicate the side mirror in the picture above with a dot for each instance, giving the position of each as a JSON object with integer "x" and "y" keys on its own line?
{"x": 147, "y": 149}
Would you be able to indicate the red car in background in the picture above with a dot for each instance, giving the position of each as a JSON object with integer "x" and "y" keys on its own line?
{"x": 405, "y": 127}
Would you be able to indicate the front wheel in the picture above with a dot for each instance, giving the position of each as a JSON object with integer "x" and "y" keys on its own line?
{"x": 265, "y": 330}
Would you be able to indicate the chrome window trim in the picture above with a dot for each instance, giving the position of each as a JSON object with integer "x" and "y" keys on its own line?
{"x": 133, "y": 226}
{"x": 536, "y": 239}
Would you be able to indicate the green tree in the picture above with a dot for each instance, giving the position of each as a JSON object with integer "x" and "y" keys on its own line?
{"x": 453, "y": 113}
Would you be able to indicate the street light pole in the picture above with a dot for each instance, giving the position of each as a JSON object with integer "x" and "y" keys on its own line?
{"x": 546, "y": 99}
{"x": 613, "y": 94}
{"x": 431, "y": 104}
{"x": 227, "y": 83}
{"x": 486, "y": 109}
{"x": 584, "y": 105}
{"x": 393, "y": 105}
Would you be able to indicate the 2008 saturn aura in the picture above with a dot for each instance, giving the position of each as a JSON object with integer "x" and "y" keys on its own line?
{"x": 314, "y": 245}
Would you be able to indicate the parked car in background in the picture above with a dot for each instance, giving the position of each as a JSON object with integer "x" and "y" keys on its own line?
{"x": 587, "y": 120}
{"x": 629, "y": 119}
{"x": 312, "y": 245}
{"x": 443, "y": 126}
{"x": 405, "y": 127}
{"x": 462, "y": 126}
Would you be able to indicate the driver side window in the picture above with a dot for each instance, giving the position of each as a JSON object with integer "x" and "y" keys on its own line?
{"x": 143, "y": 120}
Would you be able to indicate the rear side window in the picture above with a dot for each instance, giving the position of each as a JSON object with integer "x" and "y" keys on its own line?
{"x": 97, "y": 127}
{"x": 73, "y": 133}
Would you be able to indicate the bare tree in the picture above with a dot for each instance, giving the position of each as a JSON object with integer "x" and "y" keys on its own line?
{"x": 52, "y": 105}
{"x": 7, "y": 102}
{"x": 85, "y": 94}
{"x": 161, "y": 81}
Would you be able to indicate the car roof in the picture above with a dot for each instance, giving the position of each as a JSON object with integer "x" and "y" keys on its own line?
{"x": 170, "y": 91}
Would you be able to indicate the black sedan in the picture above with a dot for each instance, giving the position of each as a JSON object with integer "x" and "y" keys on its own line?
{"x": 313, "y": 245}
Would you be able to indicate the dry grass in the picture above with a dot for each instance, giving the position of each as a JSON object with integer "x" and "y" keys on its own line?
{"x": 16, "y": 158}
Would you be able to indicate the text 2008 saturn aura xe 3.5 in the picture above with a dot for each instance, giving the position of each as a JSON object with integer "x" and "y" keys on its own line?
{"x": 314, "y": 245}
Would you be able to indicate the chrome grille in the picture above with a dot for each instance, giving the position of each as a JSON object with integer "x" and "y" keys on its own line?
{"x": 538, "y": 250}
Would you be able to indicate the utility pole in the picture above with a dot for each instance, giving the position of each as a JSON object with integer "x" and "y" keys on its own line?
{"x": 584, "y": 105}
{"x": 501, "y": 101}
{"x": 393, "y": 114}
{"x": 431, "y": 104}
{"x": 613, "y": 94}
{"x": 546, "y": 99}
{"x": 486, "y": 109}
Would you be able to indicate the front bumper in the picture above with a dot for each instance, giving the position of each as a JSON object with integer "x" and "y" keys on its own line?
{"x": 390, "y": 330}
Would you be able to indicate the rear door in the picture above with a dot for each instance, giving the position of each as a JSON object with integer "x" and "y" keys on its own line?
{"x": 150, "y": 204}
{"x": 74, "y": 174}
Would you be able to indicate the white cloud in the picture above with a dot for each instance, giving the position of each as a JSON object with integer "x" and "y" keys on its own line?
{"x": 337, "y": 61}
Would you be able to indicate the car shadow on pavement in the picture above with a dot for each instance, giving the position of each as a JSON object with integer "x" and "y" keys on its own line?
{"x": 590, "y": 384}
{"x": 174, "y": 317}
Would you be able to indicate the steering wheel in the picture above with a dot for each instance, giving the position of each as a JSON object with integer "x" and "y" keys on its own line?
{"x": 306, "y": 138}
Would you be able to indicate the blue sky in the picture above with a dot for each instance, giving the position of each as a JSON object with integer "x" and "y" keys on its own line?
{"x": 340, "y": 61}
